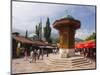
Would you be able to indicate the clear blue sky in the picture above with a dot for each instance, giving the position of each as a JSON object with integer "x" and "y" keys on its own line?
{"x": 27, "y": 15}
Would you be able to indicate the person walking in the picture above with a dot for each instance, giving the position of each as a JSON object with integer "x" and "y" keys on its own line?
{"x": 35, "y": 55}
{"x": 38, "y": 54}
{"x": 53, "y": 51}
{"x": 18, "y": 49}
{"x": 25, "y": 54}
{"x": 42, "y": 53}
{"x": 31, "y": 56}
{"x": 47, "y": 52}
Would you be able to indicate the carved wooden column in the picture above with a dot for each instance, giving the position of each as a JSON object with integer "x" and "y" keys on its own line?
{"x": 67, "y": 29}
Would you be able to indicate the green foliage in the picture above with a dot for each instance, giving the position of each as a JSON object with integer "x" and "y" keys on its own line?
{"x": 47, "y": 31}
{"x": 91, "y": 37}
{"x": 38, "y": 30}
{"x": 55, "y": 40}
{"x": 26, "y": 35}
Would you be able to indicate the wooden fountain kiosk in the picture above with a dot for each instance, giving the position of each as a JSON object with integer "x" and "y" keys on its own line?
{"x": 66, "y": 59}
{"x": 67, "y": 27}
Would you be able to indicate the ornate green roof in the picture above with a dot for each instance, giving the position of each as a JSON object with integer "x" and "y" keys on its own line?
{"x": 33, "y": 35}
{"x": 67, "y": 17}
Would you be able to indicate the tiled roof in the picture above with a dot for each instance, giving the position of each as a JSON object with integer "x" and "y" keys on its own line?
{"x": 28, "y": 41}
{"x": 22, "y": 39}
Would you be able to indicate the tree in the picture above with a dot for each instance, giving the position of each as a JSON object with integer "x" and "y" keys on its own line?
{"x": 55, "y": 40}
{"x": 38, "y": 30}
{"x": 26, "y": 35}
{"x": 47, "y": 31}
{"x": 91, "y": 37}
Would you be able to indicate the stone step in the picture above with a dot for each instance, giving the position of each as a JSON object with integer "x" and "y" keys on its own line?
{"x": 58, "y": 61}
{"x": 68, "y": 62}
{"x": 81, "y": 62}
{"x": 82, "y": 65}
{"x": 79, "y": 59}
{"x": 57, "y": 64}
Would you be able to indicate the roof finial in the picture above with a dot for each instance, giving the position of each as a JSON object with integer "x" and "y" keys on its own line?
{"x": 68, "y": 15}
{"x": 66, "y": 11}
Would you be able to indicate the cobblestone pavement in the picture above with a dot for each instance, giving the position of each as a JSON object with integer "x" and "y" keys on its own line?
{"x": 21, "y": 66}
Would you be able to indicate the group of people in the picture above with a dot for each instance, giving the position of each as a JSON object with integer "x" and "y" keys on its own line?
{"x": 34, "y": 54}
{"x": 55, "y": 50}
{"x": 37, "y": 53}
{"x": 87, "y": 52}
